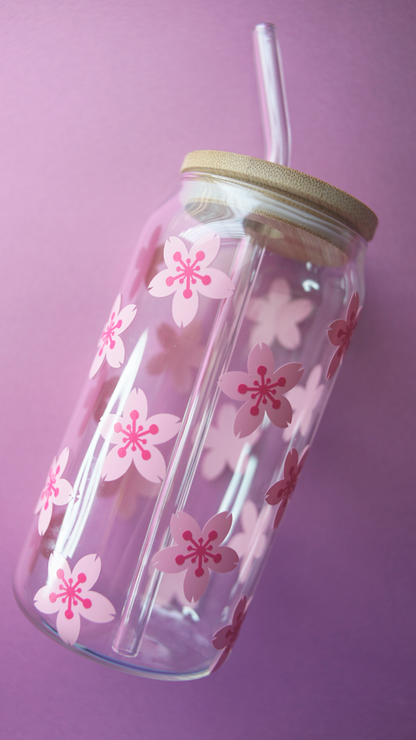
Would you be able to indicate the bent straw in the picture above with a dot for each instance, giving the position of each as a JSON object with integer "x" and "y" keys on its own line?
{"x": 273, "y": 106}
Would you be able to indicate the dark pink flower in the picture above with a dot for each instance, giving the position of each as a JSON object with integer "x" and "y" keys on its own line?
{"x": 280, "y": 492}
{"x": 263, "y": 389}
{"x": 188, "y": 274}
{"x": 225, "y": 638}
{"x": 197, "y": 551}
{"x": 340, "y": 333}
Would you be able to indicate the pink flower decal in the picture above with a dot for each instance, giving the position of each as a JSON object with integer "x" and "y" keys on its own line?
{"x": 280, "y": 492}
{"x": 69, "y": 594}
{"x": 135, "y": 435}
{"x": 250, "y": 544}
{"x": 223, "y": 447}
{"x": 340, "y": 333}
{"x": 197, "y": 552}
{"x": 182, "y": 355}
{"x": 304, "y": 402}
{"x": 263, "y": 389}
{"x": 188, "y": 274}
{"x": 110, "y": 345}
{"x": 57, "y": 491}
{"x": 277, "y": 316}
{"x": 225, "y": 638}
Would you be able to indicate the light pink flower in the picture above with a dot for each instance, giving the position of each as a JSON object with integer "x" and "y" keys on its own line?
{"x": 340, "y": 333}
{"x": 135, "y": 435}
{"x": 263, "y": 389}
{"x": 69, "y": 594}
{"x": 57, "y": 491}
{"x": 304, "y": 402}
{"x": 197, "y": 552}
{"x": 225, "y": 638}
{"x": 223, "y": 447}
{"x": 182, "y": 355}
{"x": 110, "y": 345}
{"x": 250, "y": 544}
{"x": 280, "y": 492}
{"x": 277, "y": 316}
{"x": 188, "y": 274}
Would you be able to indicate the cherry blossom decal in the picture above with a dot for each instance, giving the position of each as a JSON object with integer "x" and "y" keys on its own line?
{"x": 57, "y": 491}
{"x": 277, "y": 316}
{"x": 69, "y": 594}
{"x": 182, "y": 355}
{"x": 135, "y": 435}
{"x": 263, "y": 389}
{"x": 188, "y": 274}
{"x": 304, "y": 402}
{"x": 225, "y": 638}
{"x": 280, "y": 492}
{"x": 223, "y": 447}
{"x": 110, "y": 344}
{"x": 340, "y": 333}
{"x": 250, "y": 544}
{"x": 197, "y": 551}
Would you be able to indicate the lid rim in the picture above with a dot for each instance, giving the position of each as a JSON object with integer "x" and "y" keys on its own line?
{"x": 284, "y": 180}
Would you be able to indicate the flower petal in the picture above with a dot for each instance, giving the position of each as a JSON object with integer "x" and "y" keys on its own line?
{"x": 221, "y": 660}
{"x": 335, "y": 363}
{"x": 126, "y": 316}
{"x": 168, "y": 426}
{"x": 292, "y": 373}
{"x": 279, "y": 515}
{"x": 172, "y": 246}
{"x": 154, "y": 468}
{"x": 221, "y": 286}
{"x": 165, "y": 560}
{"x": 136, "y": 401}
{"x": 90, "y": 565}
{"x": 282, "y": 416}
{"x": 184, "y": 309}
{"x": 213, "y": 463}
{"x": 239, "y": 611}
{"x": 336, "y": 332}
{"x": 101, "y": 609}
{"x": 230, "y": 382}
{"x": 61, "y": 462}
{"x": 229, "y": 560}
{"x": 221, "y": 524}
{"x": 291, "y": 461}
{"x": 195, "y": 586}
{"x": 160, "y": 286}
{"x": 182, "y": 522}
{"x": 209, "y": 244}
{"x": 65, "y": 493}
{"x": 68, "y": 629}
{"x": 115, "y": 466}
{"x": 97, "y": 362}
{"x": 221, "y": 638}
{"x": 115, "y": 356}
{"x": 261, "y": 354}
{"x": 276, "y": 492}
{"x": 43, "y": 602}
{"x": 245, "y": 423}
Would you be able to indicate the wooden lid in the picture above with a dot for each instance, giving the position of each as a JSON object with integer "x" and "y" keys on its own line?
{"x": 282, "y": 180}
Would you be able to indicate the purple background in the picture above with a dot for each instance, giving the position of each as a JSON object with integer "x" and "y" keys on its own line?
{"x": 100, "y": 101}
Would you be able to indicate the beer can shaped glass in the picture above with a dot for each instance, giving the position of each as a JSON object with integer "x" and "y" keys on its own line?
{"x": 210, "y": 375}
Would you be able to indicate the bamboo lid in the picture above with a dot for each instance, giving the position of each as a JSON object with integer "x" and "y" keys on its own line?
{"x": 307, "y": 190}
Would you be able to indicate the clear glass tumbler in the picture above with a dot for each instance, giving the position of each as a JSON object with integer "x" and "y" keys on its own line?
{"x": 207, "y": 384}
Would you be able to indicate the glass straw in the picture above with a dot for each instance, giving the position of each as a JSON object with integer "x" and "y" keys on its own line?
{"x": 273, "y": 106}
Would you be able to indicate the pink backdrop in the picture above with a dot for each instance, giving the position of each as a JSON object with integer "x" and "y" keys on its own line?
{"x": 100, "y": 101}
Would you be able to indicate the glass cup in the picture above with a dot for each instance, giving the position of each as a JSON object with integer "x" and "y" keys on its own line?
{"x": 207, "y": 385}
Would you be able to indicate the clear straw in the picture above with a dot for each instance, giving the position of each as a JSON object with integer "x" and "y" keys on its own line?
{"x": 273, "y": 104}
